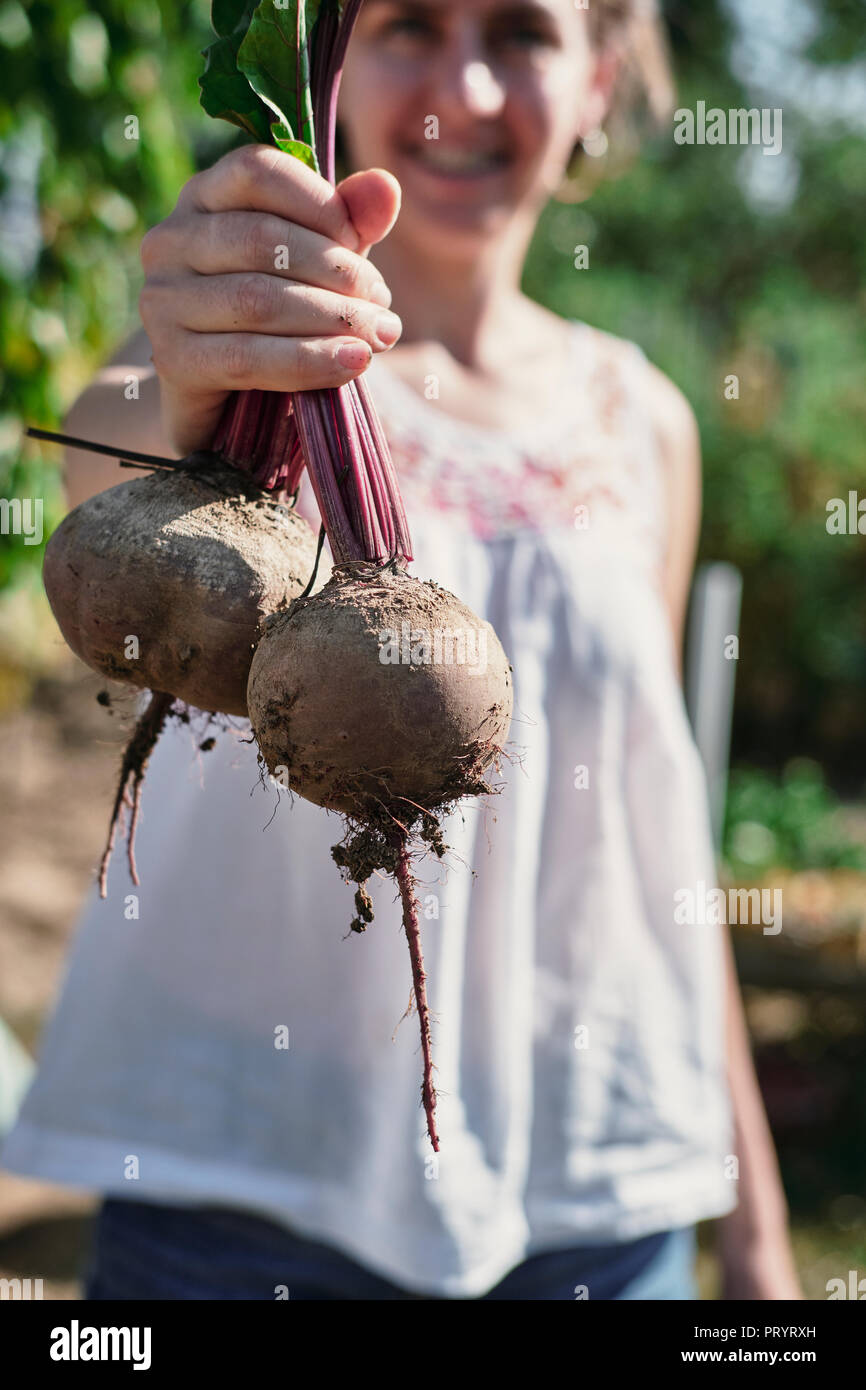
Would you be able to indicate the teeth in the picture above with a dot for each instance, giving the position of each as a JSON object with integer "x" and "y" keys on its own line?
{"x": 458, "y": 161}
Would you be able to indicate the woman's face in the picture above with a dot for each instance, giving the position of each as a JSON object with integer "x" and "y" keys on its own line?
{"x": 474, "y": 106}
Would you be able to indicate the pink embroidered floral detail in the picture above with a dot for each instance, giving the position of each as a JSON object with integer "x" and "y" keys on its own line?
{"x": 599, "y": 471}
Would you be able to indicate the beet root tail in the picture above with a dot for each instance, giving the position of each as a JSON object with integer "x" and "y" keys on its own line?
{"x": 135, "y": 759}
{"x": 406, "y": 884}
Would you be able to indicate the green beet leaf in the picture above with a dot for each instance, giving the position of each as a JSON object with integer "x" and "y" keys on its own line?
{"x": 257, "y": 73}
{"x": 226, "y": 93}
{"x": 284, "y": 139}
{"x": 274, "y": 56}
{"x": 228, "y": 15}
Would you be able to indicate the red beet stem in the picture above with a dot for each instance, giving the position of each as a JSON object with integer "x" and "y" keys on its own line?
{"x": 258, "y": 433}
{"x": 335, "y": 432}
{"x": 406, "y": 884}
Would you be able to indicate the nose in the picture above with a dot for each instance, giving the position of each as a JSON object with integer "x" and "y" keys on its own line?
{"x": 480, "y": 90}
{"x": 464, "y": 77}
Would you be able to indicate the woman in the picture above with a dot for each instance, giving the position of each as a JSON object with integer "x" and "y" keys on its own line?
{"x": 596, "y": 1093}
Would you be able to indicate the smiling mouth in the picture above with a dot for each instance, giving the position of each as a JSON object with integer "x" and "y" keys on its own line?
{"x": 453, "y": 163}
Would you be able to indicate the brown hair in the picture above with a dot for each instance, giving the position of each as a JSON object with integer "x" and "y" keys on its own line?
{"x": 604, "y": 15}
{"x": 638, "y": 29}
{"x": 644, "y": 96}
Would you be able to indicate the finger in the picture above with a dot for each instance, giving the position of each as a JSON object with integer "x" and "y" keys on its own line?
{"x": 219, "y": 243}
{"x": 251, "y": 302}
{"x": 205, "y": 362}
{"x": 372, "y": 197}
{"x": 258, "y": 178}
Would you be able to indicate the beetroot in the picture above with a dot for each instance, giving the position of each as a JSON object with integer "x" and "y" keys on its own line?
{"x": 386, "y": 699}
{"x": 418, "y": 694}
{"x": 162, "y": 582}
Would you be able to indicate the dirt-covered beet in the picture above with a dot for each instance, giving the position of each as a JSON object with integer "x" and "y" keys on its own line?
{"x": 162, "y": 582}
{"x": 386, "y": 699}
{"x": 380, "y": 694}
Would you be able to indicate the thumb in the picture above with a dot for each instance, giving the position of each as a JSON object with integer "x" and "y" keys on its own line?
{"x": 372, "y": 197}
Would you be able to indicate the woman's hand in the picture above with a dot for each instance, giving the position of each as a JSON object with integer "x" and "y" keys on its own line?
{"x": 258, "y": 280}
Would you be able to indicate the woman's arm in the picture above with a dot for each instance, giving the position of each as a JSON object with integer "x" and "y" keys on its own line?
{"x": 680, "y": 446}
{"x": 753, "y": 1241}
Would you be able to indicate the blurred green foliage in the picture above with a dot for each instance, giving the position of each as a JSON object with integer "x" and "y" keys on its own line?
{"x": 712, "y": 283}
{"x": 76, "y": 196}
{"x": 709, "y": 282}
{"x": 791, "y": 820}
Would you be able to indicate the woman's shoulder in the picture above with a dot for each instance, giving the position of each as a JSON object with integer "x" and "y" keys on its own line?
{"x": 669, "y": 415}
{"x": 656, "y": 416}
{"x": 670, "y": 412}
{"x": 663, "y": 411}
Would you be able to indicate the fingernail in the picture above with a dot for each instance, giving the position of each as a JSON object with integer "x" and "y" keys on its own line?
{"x": 354, "y": 355}
{"x": 380, "y": 294}
{"x": 388, "y": 328}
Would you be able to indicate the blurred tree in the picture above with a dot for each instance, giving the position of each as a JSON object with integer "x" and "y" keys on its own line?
{"x": 789, "y": 821}
{"x": 719, "y": 269}
{"x": 99, "y": 127}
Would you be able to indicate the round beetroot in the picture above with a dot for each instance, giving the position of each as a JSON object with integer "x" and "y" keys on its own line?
{"x": 380, "y": 692}
{"x": 162, "y": 582}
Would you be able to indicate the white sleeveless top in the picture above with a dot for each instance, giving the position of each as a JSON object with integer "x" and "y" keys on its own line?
{"x": 578, "y": 1029}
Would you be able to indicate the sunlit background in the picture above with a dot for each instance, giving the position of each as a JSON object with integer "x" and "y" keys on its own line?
{"x": 720, "y": 262}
